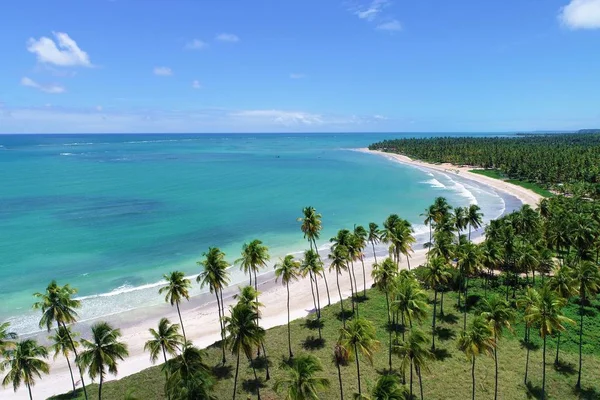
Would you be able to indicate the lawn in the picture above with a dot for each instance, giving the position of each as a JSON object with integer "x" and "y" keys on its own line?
{"x": 449, "y": 375}
{"x": 496, "y": 174}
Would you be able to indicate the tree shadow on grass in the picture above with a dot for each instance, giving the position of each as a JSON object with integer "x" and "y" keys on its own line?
{"x": 449, "y": 318}
{"x": 313, "y": 343}
{"x": 472, "y": 300}
{"x": 441, "y": 354}
{"x": 314, "y": 324}
{"x": 533, "y": 392}
{"x": 445, "y": 334}
{"x": 531, "y": 345}
{"x": 346, "y": 315}
{"x": 387, "y": 371}
{"x": 260, "y": 363}
{"x": 359, "y": 298}
{"x": 70, "y": 395}
{"x": 589, "y": 393}
{"x": 565, "y": 368}
{"x": 252, "y": 385}
{"x": 395, "y": 327}
{"x": 222, "y": 371}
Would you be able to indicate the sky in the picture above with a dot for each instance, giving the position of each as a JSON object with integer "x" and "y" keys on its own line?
{"x": 95, "y": 66}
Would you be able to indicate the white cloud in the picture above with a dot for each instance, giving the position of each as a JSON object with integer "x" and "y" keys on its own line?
{"x": 196, "y": 44}
{"x": 380, "y": 117}
{"x": 163, "y": 71}
{"x": 196, "y": 84}
{"x": 52, "y": 88}
{"x": 98, "y": 108}
{"x": 281, "y": 117}
{"x": 297, "y": 76}
{"x": 390, "y": 26}
{"x": 65, "y": 54}
{"x": 372, "y": 10}
{"x": 581, "y": 14}
{"x": 228, "y": 37}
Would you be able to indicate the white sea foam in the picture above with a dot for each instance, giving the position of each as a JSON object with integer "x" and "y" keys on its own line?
{"x": 435, "y": 183}
{"x": 66, "y": 154}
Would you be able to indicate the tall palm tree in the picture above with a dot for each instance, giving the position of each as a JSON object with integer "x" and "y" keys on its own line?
{"x": 216, "y": 277}
{"x": 564, "y": 285}
{"x": 430, "y": 216}
{"x": 301, "y": 381}
{"x": 528, "y": 300}
{"x": 478, "y": 339}
{"x": 165, "y": 340}
{"x": 61, "y": 345}
{"x": 499, "y": 315}
{"x": 413, "y": 354}
{"x": 383, "y": 276}
{"x": 547, "y": 314}
{"x": 411, "y": 301}
{"x": 339, "y": 263}
{"x": 24, "y": 363}
{"x": 388, "y": 387}
{"x": 474, "y": 218}
{"x": 345, "y": 239}
{"x": 102, "y": 353}
{"x": 587, "y": 277}
{"x": 311, "y": 227}
{"x": 287, "y": 270}
{"x": 469, "y": 263}
{"x": 340, "y": 357}
{"x": 308, "y": 265}
{"x": 405, "y": 240}
{"x": 190, "y": 377}
{"x": 6, "y": 337}
{"x": 374, "y": 237}
{"x": 359, "y": 338}
{"x": 175, "y": 291}
{"x": 442, "y": 209}
{"x": 58, "y": 306}
{"x": 435, "y": 275}
{"x": 460, "y": 219}
{"x": 244, "y": 336}
{"x": 254, "y": 257}
{"x": 490, "y": 259}
{"x": 361, "y": 235}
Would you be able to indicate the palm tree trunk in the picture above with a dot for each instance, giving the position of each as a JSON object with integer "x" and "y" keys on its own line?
{"x": 29, "y": 390}
{"x": 473, "y": 377}
{"x": 287, "y": 286}
{"x": 544, "y": 370}
{"x": 581, "y": 310}
{"x": 527, "y": 358}
{"x": 100, "y": 387}
{"x": 496, "y": 366}
{"x": 408, "y": 261}
{"x": 318, "y": 307}
{"x": 313, "y": 292}
{"x": 76, "y": 359}
{"x": 340, "y": 380}
{"x": 71, "y": 372}
{"x": 557, "y": 349}
{"x": 355, "y": 285}
{"x": 465, "y": 310}
{"x": 268, "y": 375}
{"x": 221, "y": 325}
{"x": 387, "y": 303}
{"x": 223, "y": 315}
{"x": 357, "y": 369}
{"x": 166, "y": 369}
{"x": 374, "y": 254}
{"x": 469, "y": 232}
{"x": 324, "y": 275}
{"x": 442, "y": 305}
{"x": 403, "y": 327}
{"x": 362, "y": 261}
{"x": 255, "y": 281}
{"x": 433, "y": 322}
{"x": 256, "y": 381}
{"x": 429, "y": 244}
{"x": 411, "y": 378}
{"x": 237, "y": 369}
{"x": 351, "y": 288}
{"x": 337, "y": 280}
{"x": 420, "y": 381}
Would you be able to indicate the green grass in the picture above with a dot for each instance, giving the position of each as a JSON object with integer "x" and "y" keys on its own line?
{"x": 449, "y": 376}
{"x": 496, "y": 174}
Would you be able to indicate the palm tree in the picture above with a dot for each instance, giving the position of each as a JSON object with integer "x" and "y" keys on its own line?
{"x": 61, "y": 345}
{"x": 564, "y": 285}
{"x": 405, "y": 240}
{"x": 388, "y": 387}
{"x": 478, "y": 339}
{"x": 490, "y": 259}
{"x": 244, "y": 335}
{"x": 166, "y": 340}
{"x": 528, "y": 300}
{"x": 345, "y": 239}
{"x": 340, "y": 357}
{"x": 546, "y": 313}
{"x": 474, "y": 218}
{"x": 587, "y": 277}
{"x": 311, "y": 227}
{"x": 176, "y": 290}
{"x": 339, "y": 263}
{"x": 309, "y": 265}
{"x": 254, "y": 257}
{"x": 411, "y": 301}
{"x": 6, "y": 337}
{"x": 499, "y": 315}
{"x": 383, "y": 276}
{"x": 190, "y": 377}
{"x": 430, "y": 216}
{"x": 101, "y": 354}
{"x": 413, "y": 354}
{"x": 287, "y": 270}
{"x": 435, "y": 275}
{"x": 24, "y": 364}
{"x": 469, "y": 263}
{"x": 215, "y": 276}
{"x": 442, "y": 209}
{"x": 58, "y": 306}
{"x": 301, "y": 382}
{"x": 359, "y": 338}
{"x": 374, "y": 237}
{"x": 361, "y": 235}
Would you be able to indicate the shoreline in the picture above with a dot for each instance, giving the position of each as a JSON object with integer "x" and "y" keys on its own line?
{"x": 201, "y": 319}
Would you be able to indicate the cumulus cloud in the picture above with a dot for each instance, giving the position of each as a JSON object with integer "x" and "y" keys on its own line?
{"x": 64, "y": 52}
{"x": 281, "y": 117}
{"x": 297, "y": 76}
{"x": 163, "y": 71}
{"x": 581, "y": 14}
{"x": 371, "y": 11}
{"x": 390, "y": 26}
{"x": 227, "y": 37}
{"x": 196, "y": 84}
{"x": 51, "y": 88}
{"x": 196, "y": 44}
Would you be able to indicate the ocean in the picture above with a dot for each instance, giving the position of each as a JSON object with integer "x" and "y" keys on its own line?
{"x": 110, "y": 214}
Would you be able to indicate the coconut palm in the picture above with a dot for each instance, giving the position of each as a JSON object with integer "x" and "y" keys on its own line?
{"x": 474, "y": 218}
{"x": 587, "y": 278}
{"x": 58, "y": 306}
{"x": 490, "y": 259}
{"x": 361, "y": 236}
{"x": 345, "y": 239}
{"x": 301, "y": 381}
{"x": 469, "y": 263}
{"x": 24, "y": 362}
{"x": 102, "y": 353}
{"x": 565, "y": 286}
{"x": 340, "y": 357}
{"x": 254, "y": 257}
{"x": 460, "y": 219}
{"x": 435, "y": 275}
{"x": 6, "y": 337}
{"x": 287, "y": 270}
{"x": 175, "y": 291}
{"x": 547, "y": 314}
{"x": 388, "y": 387}
{"x": 478, "y": 339}
{"x": 442, "y": 209}
{"x": 190, "y": 377}
{"x": 216, "y": 277}
{"x": 165, "y": 340}
{"x": 411, "y": 301}
{"x": 499, "y": 315}
{"x": 339, "y": 263}
{"x": 430, "y": 216}
{"x": 383, "y": 276}
{"x": 359, "y": 338}
{"x": 244, "y": 336}
{"x": 405, "y": 240}
{"x": 374, "y": 237}
{"x": 311, "y": 227}
{"x": 529, "y": 299}
{"x": 61, "y": 345}
{"x": 413, "y": 354}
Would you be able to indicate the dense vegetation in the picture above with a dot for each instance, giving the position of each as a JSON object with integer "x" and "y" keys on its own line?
{"x": 488, "y": 317}
{"x": 558, "y": 160}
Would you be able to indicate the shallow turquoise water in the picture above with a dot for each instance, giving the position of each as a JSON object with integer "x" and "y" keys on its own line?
{"x": 111, "y": 213}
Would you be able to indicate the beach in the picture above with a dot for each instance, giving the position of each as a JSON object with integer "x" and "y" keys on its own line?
{"x": 200, "y": 316}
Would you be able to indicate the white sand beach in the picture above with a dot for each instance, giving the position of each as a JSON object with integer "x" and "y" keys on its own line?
{"x": 201, "y": 319}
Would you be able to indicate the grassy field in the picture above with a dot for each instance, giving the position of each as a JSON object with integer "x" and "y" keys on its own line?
{"x": 534, "y": 187}
{"x": 449, "y": 375}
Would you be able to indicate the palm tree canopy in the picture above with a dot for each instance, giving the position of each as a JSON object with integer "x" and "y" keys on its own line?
{"x": 177, "y": 287}
{"x": 166, "y": 338}
{"x": 254, "y": 256}
{"x": 476, "y": 340}
{"x": 546, "y": 312}
{"x": 415, "y": 350}
{"x": 215, "y": 274}
{"x": 411, "y": 300}
{"x": 587, "y": 277}
{"x": 311, "y": 223}
{"x": 359, "y": 335}
{"x": 61, "y": 341}
{"x": 6, "y": 336}
{"x": 474, "y": 216}
{"x": 190, "y": 377}
{"x": 244, "y": 333}
{"x": 498, "y": 313}
{"x": 287, "y": 270}
{"x": 383, "y": 274}
{"x": 562, "y": 282}
{"x": 436, "y": 273}
{"x": 248, "y": 296}
{"x": 301, "y": 381}
{"x": 469, "y": 258}
{"x": 388, "y": 387}
{"x": 374, "y": 233}
{"x": 339, "y": 258}
{"x": 311, "y": 263}
{"x": 24, "y": 363}
{"x": 57, "y": 305}
{"x": 103, "y": 351}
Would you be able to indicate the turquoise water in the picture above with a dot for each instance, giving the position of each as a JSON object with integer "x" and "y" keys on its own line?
{"x": 110, "y": 214}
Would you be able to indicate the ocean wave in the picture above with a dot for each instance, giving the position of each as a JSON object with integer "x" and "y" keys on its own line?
{"x": 66, "y": 154}
{"x": 435, "y": 183}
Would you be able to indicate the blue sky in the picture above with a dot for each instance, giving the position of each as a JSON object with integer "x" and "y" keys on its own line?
{"x": 299, "y": 65}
